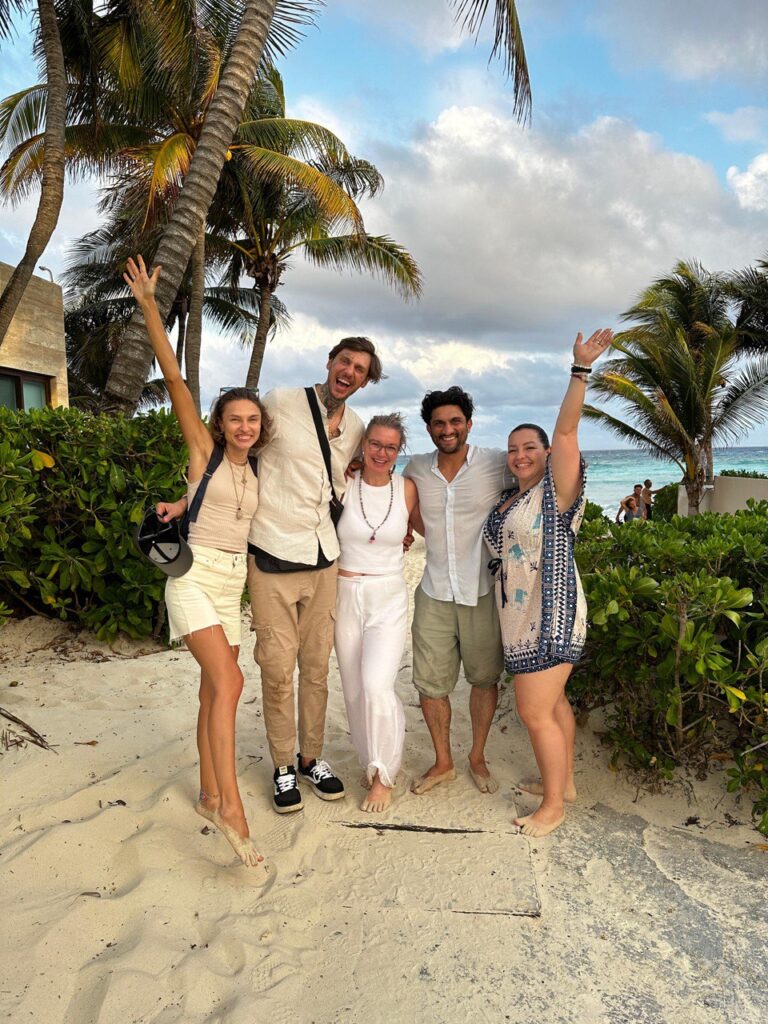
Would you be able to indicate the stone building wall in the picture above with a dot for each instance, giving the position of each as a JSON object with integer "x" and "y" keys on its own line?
{"x": 35, "y": 339}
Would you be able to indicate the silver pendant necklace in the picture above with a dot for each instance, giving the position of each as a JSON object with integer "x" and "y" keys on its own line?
{"x": 374, "y": 529}
{"x": 239, "y": 498}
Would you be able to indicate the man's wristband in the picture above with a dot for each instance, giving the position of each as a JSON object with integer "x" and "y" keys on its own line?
{"x": 580, "y": 369}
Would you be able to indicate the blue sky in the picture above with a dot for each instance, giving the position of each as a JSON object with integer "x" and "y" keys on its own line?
{"x": 649, "y": 143}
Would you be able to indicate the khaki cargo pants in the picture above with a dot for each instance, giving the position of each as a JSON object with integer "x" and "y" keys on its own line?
{"x": 293, "y": 615}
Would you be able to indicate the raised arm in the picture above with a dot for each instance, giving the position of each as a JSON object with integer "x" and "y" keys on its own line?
{"x": 195, "y": 433}
{"x": 566, "y": 457}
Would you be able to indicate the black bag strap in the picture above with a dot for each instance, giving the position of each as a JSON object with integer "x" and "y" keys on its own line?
{"x": 322, "y": 437}
{"x": 193, "y": 510}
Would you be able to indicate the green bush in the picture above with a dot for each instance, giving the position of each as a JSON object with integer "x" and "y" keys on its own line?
{"x": 665, "y": 503}
{"x": 677, "y": 651}
{"x": 72, "y": 489}
{"x": 752, "y": 474}
{"x": 593, "y": 512}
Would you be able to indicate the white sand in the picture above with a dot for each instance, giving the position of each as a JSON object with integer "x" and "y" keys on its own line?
{"x": 121, "y": 905}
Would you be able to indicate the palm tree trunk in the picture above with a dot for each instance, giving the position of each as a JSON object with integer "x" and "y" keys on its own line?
{"x": 709, "y": 463}
{"x": 129, "y": 369}
{"x": 195, "y": 324}
{"x": 182, "y": 333}
{"x": 694, "y": 490}
{"x": 52, "y": 188}
{"x": 260, "y": 341}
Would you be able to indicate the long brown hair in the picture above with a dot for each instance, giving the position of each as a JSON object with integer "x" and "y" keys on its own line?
{"x": 236, "y": 395}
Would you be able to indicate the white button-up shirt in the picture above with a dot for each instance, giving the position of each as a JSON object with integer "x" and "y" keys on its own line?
{"x": 454, "y": 514}
{"x": 293, "y": 514}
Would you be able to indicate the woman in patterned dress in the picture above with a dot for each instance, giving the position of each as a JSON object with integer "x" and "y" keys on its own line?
{"x": 541, "y": 604}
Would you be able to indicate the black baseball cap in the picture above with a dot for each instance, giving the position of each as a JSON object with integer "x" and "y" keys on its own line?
{"x": 163, "y": 545}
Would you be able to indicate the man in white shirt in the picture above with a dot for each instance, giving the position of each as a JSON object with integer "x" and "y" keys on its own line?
{"x": 455, "y": 619}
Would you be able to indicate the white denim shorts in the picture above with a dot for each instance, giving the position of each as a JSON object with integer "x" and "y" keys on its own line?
{"x": 208, "y": 595}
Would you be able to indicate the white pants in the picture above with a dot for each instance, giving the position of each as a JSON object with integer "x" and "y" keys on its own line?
{"x": 371, "y": 629}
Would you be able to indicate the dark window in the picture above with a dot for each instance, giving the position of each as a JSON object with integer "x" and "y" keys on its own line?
{"x": 20, "y": 390}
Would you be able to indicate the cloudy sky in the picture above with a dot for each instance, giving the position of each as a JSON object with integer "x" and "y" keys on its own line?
{"x": 649, "y": 144}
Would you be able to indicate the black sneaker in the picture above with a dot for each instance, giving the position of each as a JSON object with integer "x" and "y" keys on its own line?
{"x": 287, "y": 795}
{"x": 324, "y": 782}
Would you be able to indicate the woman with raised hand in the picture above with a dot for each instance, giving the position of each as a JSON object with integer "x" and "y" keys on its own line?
{"x": 372, "y": 605}
{"x": 204, "y": 604}
{"x": 531, "y": 532}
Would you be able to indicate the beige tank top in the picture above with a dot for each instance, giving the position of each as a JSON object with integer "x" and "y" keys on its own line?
{"x": 217, "y": 525}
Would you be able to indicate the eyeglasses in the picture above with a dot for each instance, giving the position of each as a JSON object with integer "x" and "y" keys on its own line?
{"x": 252, "y": 392}
{"x": 390, "y": 450}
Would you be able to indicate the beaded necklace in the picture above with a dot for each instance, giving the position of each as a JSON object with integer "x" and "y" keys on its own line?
{"x": 374, "y": 529}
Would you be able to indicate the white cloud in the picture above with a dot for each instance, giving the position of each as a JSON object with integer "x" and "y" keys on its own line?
{"x": 701, "y": 40}
{"x": 526, "y": 236}
{"x": 427, "y": 25}
{"x": 745, "y": 124}
{"x": 751, "y": 186}
{"x": 78, "y": 215}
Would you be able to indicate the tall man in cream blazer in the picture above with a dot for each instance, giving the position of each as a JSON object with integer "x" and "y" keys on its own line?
{"x": 292, "y": 566}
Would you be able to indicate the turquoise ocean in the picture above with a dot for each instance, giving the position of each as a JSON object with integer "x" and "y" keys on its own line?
{"x": 611, "y": 474}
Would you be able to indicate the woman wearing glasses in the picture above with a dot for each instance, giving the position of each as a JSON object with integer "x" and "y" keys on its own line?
{"x": 372, "y": 605}
{"x": 204, "y": 605}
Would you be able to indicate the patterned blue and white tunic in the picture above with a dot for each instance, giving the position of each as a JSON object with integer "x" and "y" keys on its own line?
{"x": 539, "y": 595}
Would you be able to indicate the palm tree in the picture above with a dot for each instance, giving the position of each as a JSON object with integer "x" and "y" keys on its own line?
{"x": 149, "y": 163}
{"x": 111, "y": 49}
{"x": 52, "y": 186}
{"x": 749, "y": 290}
{"x": 692, "y": 300}
{"x": 98, "y": 306}
{"x": 680, "y": 398}
{"x": 267, "y": 219}
{"x": 225, "y": 113}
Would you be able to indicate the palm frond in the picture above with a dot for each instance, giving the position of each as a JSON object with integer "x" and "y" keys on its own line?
{"x": 374, "y": 254}
{"x": 279, "y": 167}
{"x": 304, "y": 139}
{"x": 507, "y": 44}
{"x": 289, "y": 21}
{"x": 743, "y": 401}
{"x": 626, "y": 432}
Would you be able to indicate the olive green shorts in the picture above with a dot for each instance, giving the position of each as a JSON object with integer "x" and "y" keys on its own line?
{"x": 447, "y": 635}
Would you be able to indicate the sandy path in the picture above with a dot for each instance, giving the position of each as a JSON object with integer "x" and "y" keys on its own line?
{"x": 120, "y": 905}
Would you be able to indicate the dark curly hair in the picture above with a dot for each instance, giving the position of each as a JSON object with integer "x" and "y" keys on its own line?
{"x": 236, "y": 395}
{"x": 453, "y": 396}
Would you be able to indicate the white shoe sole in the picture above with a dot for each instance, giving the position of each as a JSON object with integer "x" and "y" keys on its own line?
{"x": 288, "y": 810}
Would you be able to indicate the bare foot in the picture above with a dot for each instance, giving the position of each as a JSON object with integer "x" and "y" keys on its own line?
{"x": 536, "y": 787}
{"x": 240, "y": 843}
{"x": 207, "y": 806}
{"x": 431, "y": 779}
{"x": 378, "y": 799}
{"x": 540, "y": 823}
{"x": 482, "y": 778}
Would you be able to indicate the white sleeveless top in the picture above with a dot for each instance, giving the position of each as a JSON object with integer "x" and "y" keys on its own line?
{"x": 383, "y": 556}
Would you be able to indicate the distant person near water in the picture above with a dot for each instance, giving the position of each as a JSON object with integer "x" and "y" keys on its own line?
{"x": 372, "y": 606}
{"x": 455, "y": 621}
{"x": 530, "y": 532}
{"x": 637, "y": 511}
{"x": 203, "y": 605}
{"x": 646, "y": 496}
{"x": 630, "y": 508}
